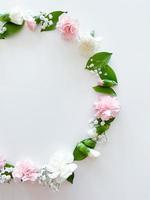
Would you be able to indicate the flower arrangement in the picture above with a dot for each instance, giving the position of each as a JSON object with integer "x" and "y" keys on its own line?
{"x": 62, "y": 166}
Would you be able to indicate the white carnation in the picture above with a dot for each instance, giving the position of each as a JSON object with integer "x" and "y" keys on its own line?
{"x": 88, "y": 44}
{"x": 61, "y": 166}
{"x": 16, "y": 16}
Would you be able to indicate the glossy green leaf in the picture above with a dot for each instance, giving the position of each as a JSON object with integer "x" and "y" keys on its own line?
{"x": 4, "y": 17}
{"x": 37, "y": 19}
{"x": 104, "y": 90}
{"x": 7, "y": 165}
{"x": 56, "y": 15}
{"x": 80, "y": 152}
{"x": 71, "y": 178}
{"x": 107, "y": 73}
{"x": 89, "y": 143}
{"x": 108, "y": 83}
{"x": 11, "y": 30}
{"x": 101, "y": 129}
{"x": 95, "y": 62}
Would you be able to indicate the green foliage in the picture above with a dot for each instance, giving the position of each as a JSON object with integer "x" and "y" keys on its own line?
{"x": 11, "y": 30}
{"x": 104, "y": 90}
{"x": 55, "y": 18}
{"x": 89, "y": 143}
{"x": 71, "y": 178}
{"x": 108, "y": 83}
{"x": 99, "y": 64}
{"x": 107, "y": 73}
{"x": 81, "y": 151}
{"x": 4, "y": 17}
{"x": 100, "y": 129}
{"x": 95, "y": 62}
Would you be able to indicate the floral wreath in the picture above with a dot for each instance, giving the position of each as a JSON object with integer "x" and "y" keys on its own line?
{"x": 62, "y": 165}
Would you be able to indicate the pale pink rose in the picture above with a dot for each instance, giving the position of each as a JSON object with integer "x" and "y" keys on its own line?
{"x": 107, "y": 107}
{"x": 2, "y": 161}
{"x": 68, "y": 27}
{"x": 25, "y": 171}
{"x": 31, "y": 24}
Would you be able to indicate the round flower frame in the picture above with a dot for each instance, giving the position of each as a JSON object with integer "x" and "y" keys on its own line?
{"x": 62, "y": 165}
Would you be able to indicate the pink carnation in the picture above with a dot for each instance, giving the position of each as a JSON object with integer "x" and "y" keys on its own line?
{"x": 31, "y": 24}
{"x": 107, "y": 108}
{"x": 25, "y": 171}
{"x": 2, "y": 161}
{"x": 68, "y": 27}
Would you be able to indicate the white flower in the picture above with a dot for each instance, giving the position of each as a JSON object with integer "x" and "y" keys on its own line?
{"x": 61, "y": 166}
{"x": 5, "y": 178}
{"x": 93, "y": 153}
{"x": 92, "y": 132}
{"x": 16, "y": 16}
{"x": 3, "y": 29}
{"x": 50, "y": 16}
{"x": 88, "y": 44}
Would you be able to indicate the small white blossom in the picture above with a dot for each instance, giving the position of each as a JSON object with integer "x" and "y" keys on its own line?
{"x": 96, "y": 122}
{"x": 93, "y": 153}
{"x": 16, "y": 16}
{"x": 88, "y": 44}
{"x": 102, "y": 123}
{"x": 4, "y": 178}
{"x": 42, "y": 17}
{"x": 28, "y": 16}
{"x": 3, "y": 29}
{"x": 50, "y": 16}
{"x": 92, "y": 132}
{"x": 46, "y": 22}
{"x": 50, "y": 22}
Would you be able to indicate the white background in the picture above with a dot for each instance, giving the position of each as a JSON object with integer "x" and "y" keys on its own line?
{"x": 46, "y": 100}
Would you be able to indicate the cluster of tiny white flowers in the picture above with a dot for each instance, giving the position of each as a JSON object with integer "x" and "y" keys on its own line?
{"x": 5, "y": 176}
{"x": 95, "y": 71}
{"x": 92, "y": 131}
{"x": 3, "y": 29}
{"x": 46, "y": 180}
{"x": 46, "y": 21}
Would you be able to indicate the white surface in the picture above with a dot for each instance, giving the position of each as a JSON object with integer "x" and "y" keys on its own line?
{"x": 45, "y": 100}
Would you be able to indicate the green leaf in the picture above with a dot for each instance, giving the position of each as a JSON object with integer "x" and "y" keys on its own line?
{"x": 7, "y": 165}
{"x": 71, "y": 178}
{"x": 110, "y": 120}
{"x": 11, "y": 30}
{"x": 104, "y": 90}
{"x": 89, "y": 143}
{"x": 95, "y": 62}
{"x": 80, "y": 152}
{"x": 4, "y": 17}
{"x": 107, "y": 73}
{"x": 108, "y": 83}
{"x": 55, "y": 18}
{"x": 37, "y": 19}
{"x": 101, "y": 129}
